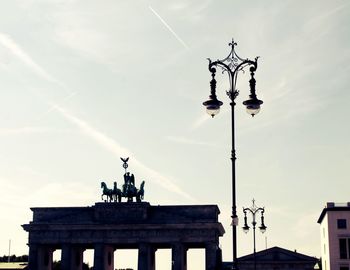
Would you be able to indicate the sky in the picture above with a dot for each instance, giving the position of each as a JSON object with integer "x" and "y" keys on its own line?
{"x": 84, "y": 83}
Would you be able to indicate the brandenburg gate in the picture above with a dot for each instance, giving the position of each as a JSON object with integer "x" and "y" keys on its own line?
{"x": 112, "y": 224}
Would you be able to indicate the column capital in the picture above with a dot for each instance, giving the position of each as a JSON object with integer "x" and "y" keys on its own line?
{"x": 211, "y": 244}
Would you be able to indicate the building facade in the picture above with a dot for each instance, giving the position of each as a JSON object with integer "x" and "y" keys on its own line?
{"x": 275, "y": 258}
{"x": 335, "y": 236}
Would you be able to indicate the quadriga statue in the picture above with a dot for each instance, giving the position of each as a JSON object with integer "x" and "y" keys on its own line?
{"x": 129, "y": 190}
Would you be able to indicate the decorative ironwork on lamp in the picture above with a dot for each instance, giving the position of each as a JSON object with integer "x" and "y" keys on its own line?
{"x": 233, "y": 64}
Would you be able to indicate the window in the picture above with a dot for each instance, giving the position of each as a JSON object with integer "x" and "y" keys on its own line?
{"x": 344, "y": 248}
{"x": 341, "y": 223}
{"x": 343, "y": 254}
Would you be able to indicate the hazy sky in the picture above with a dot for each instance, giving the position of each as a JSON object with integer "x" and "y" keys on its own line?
{"x": 85, "y": 82}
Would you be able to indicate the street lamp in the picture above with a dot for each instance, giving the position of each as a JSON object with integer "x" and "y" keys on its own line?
{"x": 254, "y": 210}
{"x": 233, "y": 64}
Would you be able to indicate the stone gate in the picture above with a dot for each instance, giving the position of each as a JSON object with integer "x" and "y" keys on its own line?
{"x": 105, "y": 227}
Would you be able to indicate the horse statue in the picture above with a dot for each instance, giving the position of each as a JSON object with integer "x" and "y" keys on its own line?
{"x": 130, "y": 191}
{"x": 106, "y": 192}
{"x": 140, "y": 192}
{"x": 117, "y": 193}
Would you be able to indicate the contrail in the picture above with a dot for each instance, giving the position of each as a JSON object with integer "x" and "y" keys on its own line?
{"x": 200, "y": 121}
{"x": 119, "y": 151}
{"x": 54, "y": 107}
{"x": 169, "y": 28}
{"x": 15, "y": 49}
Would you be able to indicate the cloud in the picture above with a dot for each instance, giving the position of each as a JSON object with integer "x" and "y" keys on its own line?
{"x": 305, "y": 228}
{"x": 306, "y": 224}
{"x": 114, "y": 147}
{"x": 323, "y": 18}
{"x": 185, "y": 140}
{"x": 196, "y": 10}
{"x": 27, "y": 130}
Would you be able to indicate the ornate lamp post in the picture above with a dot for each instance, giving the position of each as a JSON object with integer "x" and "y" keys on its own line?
{"x": 254, "y": 210}
{"x": 233, "y": 64}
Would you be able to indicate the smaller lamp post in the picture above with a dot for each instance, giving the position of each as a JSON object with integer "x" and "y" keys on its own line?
{"x": 254, "y": 210}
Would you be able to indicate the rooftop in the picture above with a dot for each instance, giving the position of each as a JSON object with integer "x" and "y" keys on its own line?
{"x": 339, "y": 204}
{"x": 332, "y": 206}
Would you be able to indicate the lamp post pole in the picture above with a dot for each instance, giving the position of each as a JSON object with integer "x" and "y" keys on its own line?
{"x": 232, "y": 65}
{"x": 254, "y": 210}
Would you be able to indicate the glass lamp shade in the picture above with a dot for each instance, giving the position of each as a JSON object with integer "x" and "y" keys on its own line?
{"x": 213, "y": 106}
{"x": 253, "y": 106}
{"x": 245, "y": 228}
{"x": 253, "y": 112}
{"x": 262, "y": 228}
{"x": 213, "y": 112}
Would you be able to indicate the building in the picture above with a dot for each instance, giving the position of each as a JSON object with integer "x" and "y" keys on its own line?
{"x": 105, "y": 227}
{"x": 335, "y": 236}
{"x": 276, "y": 258}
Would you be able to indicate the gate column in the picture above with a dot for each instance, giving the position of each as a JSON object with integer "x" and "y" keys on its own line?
{"x": 211, "y": 252}
{"x": 43, "y": 258}
{"x": 103, "y": 257}
{"x": 33, "y": 257}
{"x": 146, "y": 257}
{"x": 72, "y": 257}
{"x": 179, "y": 256}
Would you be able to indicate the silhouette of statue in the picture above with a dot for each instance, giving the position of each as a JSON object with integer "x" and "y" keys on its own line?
{"x": 128, "y": 189}
{"x": 127, "y": 178}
